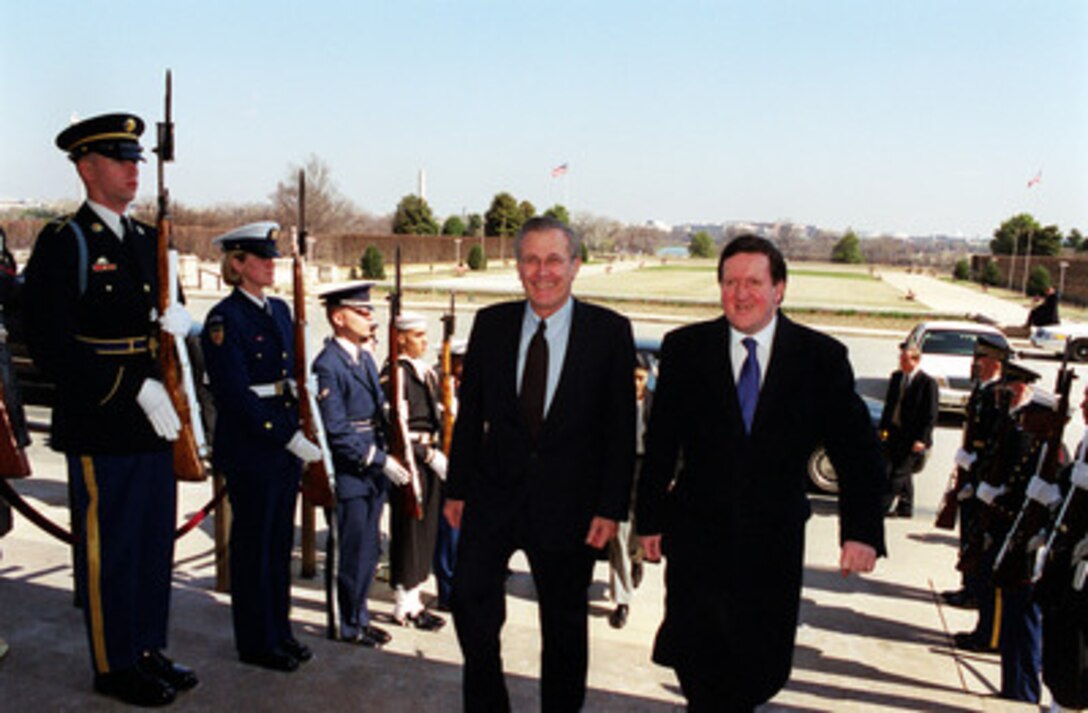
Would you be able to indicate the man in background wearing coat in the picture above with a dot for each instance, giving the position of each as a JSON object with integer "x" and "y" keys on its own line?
{"x": 906, "y": 425}
{"x": 741, "y": 402}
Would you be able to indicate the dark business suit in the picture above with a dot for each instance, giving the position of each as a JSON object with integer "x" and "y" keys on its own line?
{"x": 351, "y": 400}
{"x": 539, "y": 497}
{"x": 917, "y": 406}
{"x": 739, "y": 500}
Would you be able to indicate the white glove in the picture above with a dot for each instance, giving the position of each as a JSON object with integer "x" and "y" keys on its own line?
{"x": 176, "y": 321}
{"x": 964, "y": 459}
{"x": 396, "y": 472}
{"x": 988, "y": 493}
{"x": 439, "y": 463}
{"x": 306, "y": 451}
{"x": 155, "y": 402}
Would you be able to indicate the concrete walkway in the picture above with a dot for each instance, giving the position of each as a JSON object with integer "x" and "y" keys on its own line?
{"x": 948, "y": 298}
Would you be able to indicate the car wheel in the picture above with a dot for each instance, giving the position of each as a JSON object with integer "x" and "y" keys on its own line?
{"x": 1078, "y": 350}
{"x": 821, "y": 472}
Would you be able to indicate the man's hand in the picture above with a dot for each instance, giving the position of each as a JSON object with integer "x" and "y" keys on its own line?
{"x": 176, "y": 321}
{"x": 651, "y": 547}
{"x": 918, "y": 446}
{"x": 398, "y": 475}
{"x": 856, "y": 557}
{"x": 303, "y": 448}
{"x": 601, "y": 530}
{"x": 453, "y": 511}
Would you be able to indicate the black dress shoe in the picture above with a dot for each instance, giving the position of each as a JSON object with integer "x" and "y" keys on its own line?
{"x": 371, "y": 637}
{"x": 424, "y": 620}
{"x": 618, "y": 618}
{"x": 960, "y": 599}
{"x": 180, "y": 678}
{"x": 968, "y": 641}
{"x": 135, "y": 687}
{"x": 297, "y": 649}
{"x": 275, "y": 659}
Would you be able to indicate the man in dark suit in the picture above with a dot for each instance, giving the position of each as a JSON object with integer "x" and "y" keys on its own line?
{"x": 740, "y": 404}
{"x": 906, "y": 426}
{"x": 544, "y": 467}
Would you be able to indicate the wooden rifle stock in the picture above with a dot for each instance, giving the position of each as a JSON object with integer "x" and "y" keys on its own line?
{"x": 448, "y": 326}
{"x": 950, "y": 502}
{"x": 188, "y": 465}
{"x": 400, "y": 446}
{"x": 13, "y": 461}
{"x": 316, "y": 476}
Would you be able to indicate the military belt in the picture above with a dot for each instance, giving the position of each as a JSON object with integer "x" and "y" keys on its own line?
{"x": 273, "y": 389}
{"x": 424, "y": 439}
{"x": 119, "y": 346}
{"x": 366, "y": 424}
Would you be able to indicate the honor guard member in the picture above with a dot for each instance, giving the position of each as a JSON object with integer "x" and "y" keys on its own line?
{"x": 92, "y": 326}
{"x": 1019, "y": 618}
{"x": 975, "y": 457}
{"x": 351, "y": 401}
{"x": 249, "y": 355}
{"x": 412, "y": 541}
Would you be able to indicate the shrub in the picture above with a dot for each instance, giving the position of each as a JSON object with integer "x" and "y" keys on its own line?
{"x": 476, "y": 258}
{"x": 372, "y": 264}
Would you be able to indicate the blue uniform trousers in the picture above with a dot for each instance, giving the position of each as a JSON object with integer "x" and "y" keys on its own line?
{"x": 1021, "y": 644}
{"x": 262, "y": 498}
{"x": 126, "y": 507}
{"x": 445, "y": 557}
{"x": 357, "y": 520}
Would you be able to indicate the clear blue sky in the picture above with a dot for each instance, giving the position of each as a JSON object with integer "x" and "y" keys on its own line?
{"x": 908, "y": 116}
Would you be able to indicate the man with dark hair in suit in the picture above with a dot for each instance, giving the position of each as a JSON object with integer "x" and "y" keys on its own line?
{"x": 906, "y": 426}
{"x": 740, "y": 404}
{"x": 542, "y": 461}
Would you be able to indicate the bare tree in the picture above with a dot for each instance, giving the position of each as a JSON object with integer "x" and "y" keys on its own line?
{"x": 327, "y": 211}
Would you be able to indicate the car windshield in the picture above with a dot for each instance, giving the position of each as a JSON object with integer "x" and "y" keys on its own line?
{"x": 953, "y": 343}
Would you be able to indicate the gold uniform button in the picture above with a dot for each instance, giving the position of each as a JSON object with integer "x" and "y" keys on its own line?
{"x": 147, "y": 287}
{"x": 268, "y": 425}
{"x": 109, "y": 288}
{"x": 259, "y": 355}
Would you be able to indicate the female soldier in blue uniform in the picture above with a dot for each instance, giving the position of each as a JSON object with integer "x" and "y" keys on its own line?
{"x": 249, "y": 355}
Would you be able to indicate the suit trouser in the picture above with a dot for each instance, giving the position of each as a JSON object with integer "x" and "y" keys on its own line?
{"x": 261, "y": 538}
{"x": 562, "y": 579}
{"x": 127, "y": 507}
{"x": 619, "y": 564}
{"x": 357, "y": 520}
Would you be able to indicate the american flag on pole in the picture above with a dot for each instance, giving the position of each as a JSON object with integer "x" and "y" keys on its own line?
{"x": 1034, "y": 180}
{"x": 559, "y": 170}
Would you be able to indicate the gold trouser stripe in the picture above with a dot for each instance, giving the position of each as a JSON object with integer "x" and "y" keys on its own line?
{"x": 94, "y": 569}
{"x": 995, "y": 635}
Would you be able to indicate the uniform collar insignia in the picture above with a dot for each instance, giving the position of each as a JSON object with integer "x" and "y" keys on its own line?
{"x": 97, "y": 227}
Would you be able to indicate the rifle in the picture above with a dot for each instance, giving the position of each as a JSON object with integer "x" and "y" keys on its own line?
{"x": 1054, "y": 558}
{"x": 448, "y": 321}
{"x": 1028, "y": 531}
{"x": 400, "y": 447}
{"x": 13, "y": 461}
{"x": 172, "y": 353}
{"x": 316, "y": 476}
{"x": 950, "y": 502}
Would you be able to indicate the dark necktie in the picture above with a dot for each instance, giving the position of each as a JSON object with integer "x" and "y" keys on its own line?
{"x": 534, "y": 380}
{"x": 748, "y": 383}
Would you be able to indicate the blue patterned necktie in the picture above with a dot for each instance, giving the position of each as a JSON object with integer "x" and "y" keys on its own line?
{"x": 748, "y": 383}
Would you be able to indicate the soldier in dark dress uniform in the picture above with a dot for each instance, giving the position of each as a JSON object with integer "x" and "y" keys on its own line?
{"x": 413, "y": 541}
{"x": 351, "y": 401}
{"x": 249, "y": 355}
{"x": 1063, "y": 591}
{"x": 975, "y": 457}
{"x": 91, "y": 325}
{"x": 1019, "y": 618}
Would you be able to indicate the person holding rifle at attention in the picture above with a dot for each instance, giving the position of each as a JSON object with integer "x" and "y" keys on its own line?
{"x": 248, "y": 342}
{"x": 92, "y": 326}
{"x": 351, "y": 401}
{"x": 413, "y": 538}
